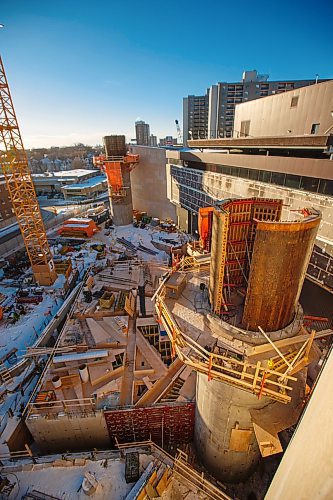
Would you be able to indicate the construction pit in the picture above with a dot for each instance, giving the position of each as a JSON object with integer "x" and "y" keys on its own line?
{"x": 112, "y": 375}
{"x": 142, "y": 356}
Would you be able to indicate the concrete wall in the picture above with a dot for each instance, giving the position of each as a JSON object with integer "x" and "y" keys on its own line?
{"x": 221, "y": 186}
{"x": 220, "y": 408}
{"x": 306, "y": 467}
{"x": 149, "y": 183}
{"x": 65, "y": 433}
{"x": 218, "y": 186}
{"x": 310, "y": 167}
{"x": 121, "y": 210}
{"x": 274, "y": 115}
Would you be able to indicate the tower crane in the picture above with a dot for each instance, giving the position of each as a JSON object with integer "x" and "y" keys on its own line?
{"x": 15, "y": 168}
{"x": 180, "y": 135}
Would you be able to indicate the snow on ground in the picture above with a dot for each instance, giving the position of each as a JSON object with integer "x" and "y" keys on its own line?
{"x": 65, "y": 482}
{"x": 185, "y": 309}
{"x": 29, "y": 326}
{"x": 138, "y": 236}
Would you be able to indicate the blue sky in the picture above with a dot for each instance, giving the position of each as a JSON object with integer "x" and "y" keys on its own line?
{"x": 79, "y": 70}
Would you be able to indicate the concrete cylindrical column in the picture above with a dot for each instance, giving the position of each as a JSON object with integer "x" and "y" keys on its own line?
{"x": 84, "y": 374}
{"x": 122, "y": 209}
{"x": 56, "y": 381}
{"x": 222, "y": 416}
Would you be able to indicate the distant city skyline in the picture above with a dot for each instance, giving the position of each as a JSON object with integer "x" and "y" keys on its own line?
{"x": 79, "y": 73}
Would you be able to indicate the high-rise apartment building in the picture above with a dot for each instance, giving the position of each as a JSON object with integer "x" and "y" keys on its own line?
{"x": 195, "y": 116}
{"x": 142, "y": 131}
{"x": 212, "y": 116}
{"x": 153, "y": 141}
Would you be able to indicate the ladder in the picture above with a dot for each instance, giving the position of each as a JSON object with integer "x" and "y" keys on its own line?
{"x": 5, "y": 375}
{"x": 223, "y": 250}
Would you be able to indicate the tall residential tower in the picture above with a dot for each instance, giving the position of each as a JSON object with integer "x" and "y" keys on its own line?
{"x": 142, "y": 131}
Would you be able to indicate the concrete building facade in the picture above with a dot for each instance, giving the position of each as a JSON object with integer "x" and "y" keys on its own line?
{"x": 153, "y": 141}
{"x": 303, "y": 111}
{"x": 212, "y": 115}
{"x": 200, "y": 179}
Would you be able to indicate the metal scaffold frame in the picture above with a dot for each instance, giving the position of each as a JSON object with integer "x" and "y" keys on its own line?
{"x": 234, "y": 240}
{"x": 112, "y": 166}
{"x": 15, "y": 168}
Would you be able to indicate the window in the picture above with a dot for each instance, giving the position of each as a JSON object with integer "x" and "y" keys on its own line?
{"x": 309, "y": 184}
{"x": 253, "y": 174}
{"x": 293, "y": 181}
{"x": 265, "y": 176}
{"x": 315, "y": 128}
{"x": 245, "y": 128}
{"x": 277, "y": 178}
{"x": 326, "y": 186}
{"x": 294, "y": 101}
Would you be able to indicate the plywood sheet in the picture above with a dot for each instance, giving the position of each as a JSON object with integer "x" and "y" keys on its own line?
{"x": 240, "y": 439}
{"x": 269, "y": 444}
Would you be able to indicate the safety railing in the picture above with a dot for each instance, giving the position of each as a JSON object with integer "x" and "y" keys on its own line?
{"x": 69, "y": 407}
{"x": 180, "y": 467}
{"x": 254, "y": 378}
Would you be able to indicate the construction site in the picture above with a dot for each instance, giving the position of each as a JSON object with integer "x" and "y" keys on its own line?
{"x": 175, "y": 365}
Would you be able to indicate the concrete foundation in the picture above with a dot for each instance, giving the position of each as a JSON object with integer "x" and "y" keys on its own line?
{"x": 66, "y": 433}
{"x": 223, "y": 425}
{"x": 122, "y": 210}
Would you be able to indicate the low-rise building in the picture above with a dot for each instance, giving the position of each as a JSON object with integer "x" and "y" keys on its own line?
{"x": 70, "y": 183}
{"x": 87, "y": 189}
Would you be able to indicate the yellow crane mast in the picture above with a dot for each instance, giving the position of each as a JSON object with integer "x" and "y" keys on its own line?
{"x": 15, "y": 168}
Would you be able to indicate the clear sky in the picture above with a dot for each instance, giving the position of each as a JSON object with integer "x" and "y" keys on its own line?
{"x": 79, "y": 70}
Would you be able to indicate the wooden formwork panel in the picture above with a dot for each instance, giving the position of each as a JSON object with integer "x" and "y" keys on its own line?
{"x": 167, "y": 425}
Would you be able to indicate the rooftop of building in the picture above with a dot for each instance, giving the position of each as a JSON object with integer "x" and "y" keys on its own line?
{"x": 315, "y": 142}
{"x": 79, "y": 172}
{"x": 92, "y": 182}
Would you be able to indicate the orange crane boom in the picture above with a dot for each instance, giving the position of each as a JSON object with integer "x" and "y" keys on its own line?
{"x": 15, "y": 168}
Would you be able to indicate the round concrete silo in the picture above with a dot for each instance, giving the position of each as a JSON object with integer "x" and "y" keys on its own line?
{"x": 224, "y": 435}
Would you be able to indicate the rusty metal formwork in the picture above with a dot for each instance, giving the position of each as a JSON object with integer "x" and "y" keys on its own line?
{"x": 263, "y": 258}
{"x": 280, "y": 258}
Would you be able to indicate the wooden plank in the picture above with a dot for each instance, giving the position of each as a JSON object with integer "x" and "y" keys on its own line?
{"x": 265, "y": 350}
